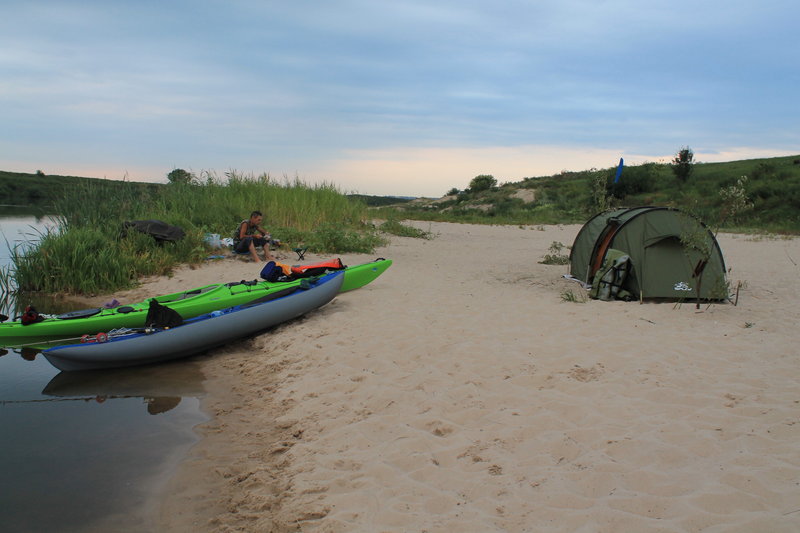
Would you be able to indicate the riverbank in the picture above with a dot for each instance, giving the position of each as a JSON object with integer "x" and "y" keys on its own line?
{"x": 460, "y": 392}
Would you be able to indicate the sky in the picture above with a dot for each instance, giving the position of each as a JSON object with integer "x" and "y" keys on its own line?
{"x": 407, "y": 98}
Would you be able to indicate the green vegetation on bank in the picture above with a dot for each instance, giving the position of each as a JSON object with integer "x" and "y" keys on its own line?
{"x": 88, "y": 255}
{"x": 772, "y": 186}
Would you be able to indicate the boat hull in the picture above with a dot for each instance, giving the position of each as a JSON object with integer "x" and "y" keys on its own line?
{"x": 195, "y": 335}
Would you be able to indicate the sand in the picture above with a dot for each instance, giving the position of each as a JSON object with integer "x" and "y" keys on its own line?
{"x": 461, "y": 392}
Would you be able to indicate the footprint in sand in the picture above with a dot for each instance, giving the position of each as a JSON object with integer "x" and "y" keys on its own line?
{"x": 585, "y": 375}
{"x": 733, "y": 400}
{"x": 439, "y": 429}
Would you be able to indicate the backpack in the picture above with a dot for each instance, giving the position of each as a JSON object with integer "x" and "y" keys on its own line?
{"x": 273, "y": 271}
{"x": 608, "y": 281}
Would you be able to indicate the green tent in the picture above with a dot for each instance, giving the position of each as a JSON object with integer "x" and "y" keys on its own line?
{"x": 672, "y": 254}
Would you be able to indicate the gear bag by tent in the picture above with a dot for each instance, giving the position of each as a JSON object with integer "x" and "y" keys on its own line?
{"x": 609, "y": 280}
{"x": 161, "y": 316}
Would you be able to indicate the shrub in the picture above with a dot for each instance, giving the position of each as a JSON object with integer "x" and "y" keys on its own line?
{"x": 180, "y": 176}
{"x": 394, "y": 227}
{"x": 555, "y": 257}
{"x": 484, "y": 182}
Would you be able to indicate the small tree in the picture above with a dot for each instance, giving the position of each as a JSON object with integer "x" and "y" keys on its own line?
{"x": 452, "y": 192}
{"x": 484, "y": 182}
{"x": 600, "y": 200}
{"x": 734, "y": 201}
{"x": 682, "y": 163}
{"x": 695, "y": 236}
{"x": 179, "y": 176}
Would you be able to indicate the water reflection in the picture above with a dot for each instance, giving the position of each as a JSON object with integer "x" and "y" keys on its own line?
{"x": 28, "y": 352}
{"x": 20, "y": 228}
{"x": 86, "y": 453}
{"x": 160, "y": 386}
{"x": 116, "y": 433}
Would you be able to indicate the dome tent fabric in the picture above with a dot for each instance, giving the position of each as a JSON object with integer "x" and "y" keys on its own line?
{"x": 662, "y": 265}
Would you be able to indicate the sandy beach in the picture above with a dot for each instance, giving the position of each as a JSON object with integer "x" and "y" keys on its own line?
{"x": 460, "y": 392}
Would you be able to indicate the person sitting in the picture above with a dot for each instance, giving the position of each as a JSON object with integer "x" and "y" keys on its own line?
{"x": 250, "y": 235}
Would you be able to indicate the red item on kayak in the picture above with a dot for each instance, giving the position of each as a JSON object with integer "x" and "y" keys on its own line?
{"x": 317, "y": 268}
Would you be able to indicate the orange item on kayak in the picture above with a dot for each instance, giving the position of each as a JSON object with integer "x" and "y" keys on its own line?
{"x": 317, "y": 268}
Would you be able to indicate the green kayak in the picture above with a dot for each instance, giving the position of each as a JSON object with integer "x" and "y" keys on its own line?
{"x": 188, "y": 304}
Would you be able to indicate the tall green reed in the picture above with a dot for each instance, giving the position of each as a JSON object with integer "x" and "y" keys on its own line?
{"x": 220, "y": 205}
{"x": 92, "y": 260}
{"x": 87, "y": 254}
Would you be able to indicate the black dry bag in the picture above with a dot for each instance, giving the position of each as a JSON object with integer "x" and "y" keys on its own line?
{"x": 160, "y": 316}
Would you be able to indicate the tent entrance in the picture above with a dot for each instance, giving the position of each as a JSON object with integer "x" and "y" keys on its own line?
{"x": 601, "y": 247}
{"x": 667, "y": 269}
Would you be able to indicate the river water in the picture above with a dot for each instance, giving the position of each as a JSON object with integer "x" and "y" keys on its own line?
{"x": 86, "y": 451}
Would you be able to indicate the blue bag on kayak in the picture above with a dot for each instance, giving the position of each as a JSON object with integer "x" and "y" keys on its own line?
{"x": 271, "y": 272}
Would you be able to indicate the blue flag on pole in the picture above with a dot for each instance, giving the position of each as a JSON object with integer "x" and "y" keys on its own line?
{"x": 619, "y": 171}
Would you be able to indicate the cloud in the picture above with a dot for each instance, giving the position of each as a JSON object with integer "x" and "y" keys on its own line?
{"x": 358, "y": 89}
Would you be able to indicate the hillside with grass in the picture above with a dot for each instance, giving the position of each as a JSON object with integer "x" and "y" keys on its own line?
{"x": 771, "y": 186}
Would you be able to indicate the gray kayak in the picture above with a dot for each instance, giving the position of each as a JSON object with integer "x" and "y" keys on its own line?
{"x": 197, "y": 334}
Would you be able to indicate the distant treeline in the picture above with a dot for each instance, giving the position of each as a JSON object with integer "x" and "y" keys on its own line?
{"x": 19, "y": 188}
{"x": 379, "y": 201}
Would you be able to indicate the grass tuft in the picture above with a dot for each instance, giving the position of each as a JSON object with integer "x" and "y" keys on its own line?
{"x": 569, "y": 296}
